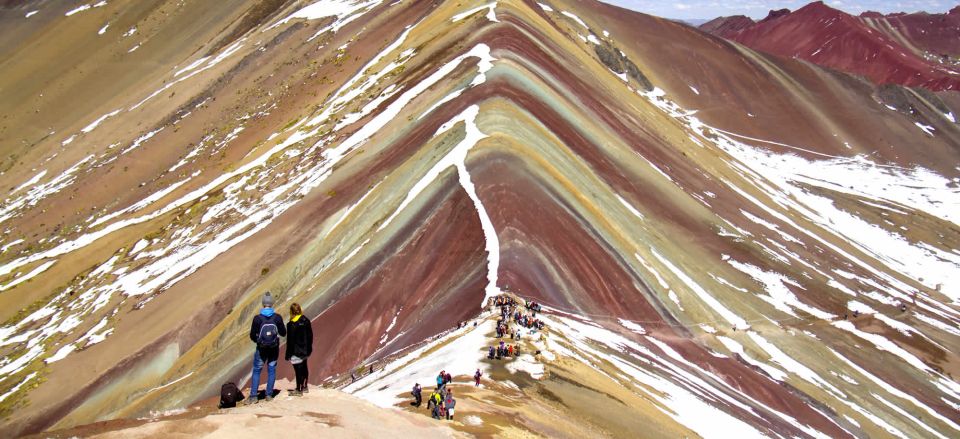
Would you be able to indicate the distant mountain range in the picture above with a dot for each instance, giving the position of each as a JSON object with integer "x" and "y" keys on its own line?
{"x": 916, "y": 49}
{"x": 696, "y": 22}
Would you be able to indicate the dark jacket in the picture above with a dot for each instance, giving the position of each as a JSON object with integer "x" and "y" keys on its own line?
{"x": 299, "y": 338}
{"x": 267, "y": 354}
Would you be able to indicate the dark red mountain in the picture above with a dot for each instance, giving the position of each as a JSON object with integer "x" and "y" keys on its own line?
{"x": 727, "y": 26}
{"x": 909, "y": 49}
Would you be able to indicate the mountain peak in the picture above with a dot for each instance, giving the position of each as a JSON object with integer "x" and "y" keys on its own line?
{"x": 727, "y": 26}
{"x": 776, "y": 13}
{"x": 819, "y": 8}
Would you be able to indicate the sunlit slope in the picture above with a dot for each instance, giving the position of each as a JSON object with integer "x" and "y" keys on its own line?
{"x": 393, "y": 165}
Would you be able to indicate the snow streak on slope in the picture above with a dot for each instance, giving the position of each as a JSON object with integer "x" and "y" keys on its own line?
{"x": 344, "y": 11}
{"x": 457, "y": 158}
{"x": 784, "y": 178}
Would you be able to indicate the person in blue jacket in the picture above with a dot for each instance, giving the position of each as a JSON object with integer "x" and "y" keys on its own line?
{"x": 265, "y": 331}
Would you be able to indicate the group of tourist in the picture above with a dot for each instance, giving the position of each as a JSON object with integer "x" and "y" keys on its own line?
{"x": 441, "y": 402}
{"x": 502, "y": 350}
{"x": 510, "y": 311}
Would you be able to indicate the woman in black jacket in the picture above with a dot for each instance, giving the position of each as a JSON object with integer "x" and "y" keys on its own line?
{"x": 299, "y": 346}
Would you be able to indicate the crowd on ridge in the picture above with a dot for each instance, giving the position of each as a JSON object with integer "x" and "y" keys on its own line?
{"x": 511, "y": 312}
{"x": 441, "y": 402}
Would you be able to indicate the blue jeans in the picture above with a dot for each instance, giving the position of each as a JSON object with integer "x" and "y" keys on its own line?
{"x": 255, "y": 379}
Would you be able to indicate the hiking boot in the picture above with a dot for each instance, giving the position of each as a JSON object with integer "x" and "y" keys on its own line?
{"x": 296, "y": 393}
{"x": 306, "y": 389}
{"x": 252, "y": 400}
{"x": 269, "y": 398}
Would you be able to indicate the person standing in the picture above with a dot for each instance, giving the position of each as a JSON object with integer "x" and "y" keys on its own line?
{"x": 417, "y": 393}
{"x": 476, "y": 377}
{"x": 433, "y": 404}
{"x": 299, "y": 346}
{"x": 265, "y": 331}
{"x": 450, "y": 403}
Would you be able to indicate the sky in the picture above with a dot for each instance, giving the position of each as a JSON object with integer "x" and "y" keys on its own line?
{"x": 691, "y": 9}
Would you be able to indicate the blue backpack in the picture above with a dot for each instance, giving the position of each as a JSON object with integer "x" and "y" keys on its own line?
{"x": 268, "y": 337}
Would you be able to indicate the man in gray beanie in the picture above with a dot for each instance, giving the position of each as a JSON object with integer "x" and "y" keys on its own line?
{"x": 266, "y": 330}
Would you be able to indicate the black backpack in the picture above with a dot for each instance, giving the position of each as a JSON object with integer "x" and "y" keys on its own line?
{"x": 268, "y": 337}
{"x": 230, "y": 395}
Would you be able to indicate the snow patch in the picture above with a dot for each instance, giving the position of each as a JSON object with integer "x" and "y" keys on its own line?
{"x": 491, "y": 15}
{"x": 926, "y": 128}
{"x": 575, "y": 18}
{"x": 708, "y": 299}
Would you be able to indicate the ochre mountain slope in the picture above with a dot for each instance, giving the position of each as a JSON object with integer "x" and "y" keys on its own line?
{"x": 391, "y": 166}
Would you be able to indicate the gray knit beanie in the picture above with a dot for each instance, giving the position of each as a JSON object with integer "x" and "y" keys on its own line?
{"x": 267, "y": 300}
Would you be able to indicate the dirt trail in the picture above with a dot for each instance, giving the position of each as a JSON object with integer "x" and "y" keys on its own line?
{"x": 320, "y": 413}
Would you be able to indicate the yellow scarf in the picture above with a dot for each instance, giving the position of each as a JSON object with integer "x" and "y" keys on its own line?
{"x": 295, "y": 318}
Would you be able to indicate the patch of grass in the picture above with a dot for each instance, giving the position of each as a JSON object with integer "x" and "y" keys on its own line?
{"x": 291, "y": 123}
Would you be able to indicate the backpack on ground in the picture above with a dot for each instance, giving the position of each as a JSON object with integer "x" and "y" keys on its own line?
{"x": 268, "y": 337}
{"x": 230, "y": 394}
